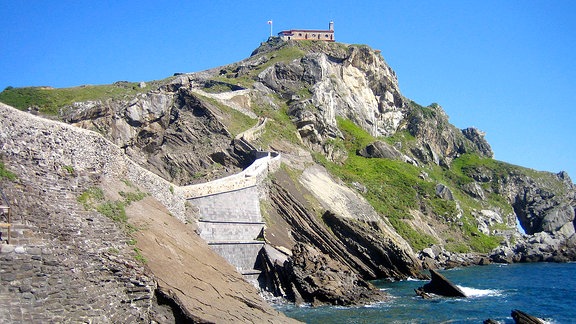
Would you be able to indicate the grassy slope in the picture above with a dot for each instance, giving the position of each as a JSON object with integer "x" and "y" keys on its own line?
{"x": 49, "y": 100}
{"x": 395, "y": 188}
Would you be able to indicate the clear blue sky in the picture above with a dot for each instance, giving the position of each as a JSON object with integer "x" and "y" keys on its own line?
{"x": 506, "y": 67}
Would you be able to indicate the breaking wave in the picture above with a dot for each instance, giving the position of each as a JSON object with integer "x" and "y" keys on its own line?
{"x": 473, "y": 292}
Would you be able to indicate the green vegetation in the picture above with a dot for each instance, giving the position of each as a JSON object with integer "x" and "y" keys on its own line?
{"x": 429, "y": 112}
{"x": 284, "y": 54}
{"x": 90, "y": 197}
{"x": 280, "y": 127}
{"x": 68, "y": 168}
{"x": 5, "y": 173}
{"x": 403, "y": 136}
{"x": 50, "y": 100}
{"x": 93, "y": 199}
{"x": 236, "y": 122}
{"x": 130, "y": 197}
{"x": 395, "y": 188}
{"x": 115, "y": 210}
{"x": 113, "y": 250}
{"x": 219, "y": 87}
{"x": 138, "y": 256}
{"x": 127, "y": 183}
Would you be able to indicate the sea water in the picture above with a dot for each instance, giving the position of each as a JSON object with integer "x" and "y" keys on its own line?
{"x": 545, "y": 290}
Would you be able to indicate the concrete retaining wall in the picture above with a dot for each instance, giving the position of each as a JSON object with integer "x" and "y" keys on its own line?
{"x": 236, "y": 205}
{"x": 223, "y": 231}
{"x": 230, "y": 218}
{"x": 242, "y": 255}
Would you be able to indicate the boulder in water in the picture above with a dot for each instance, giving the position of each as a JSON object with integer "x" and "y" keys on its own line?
{"x": 522, "y": 318}
{"x": 439, "y": 285}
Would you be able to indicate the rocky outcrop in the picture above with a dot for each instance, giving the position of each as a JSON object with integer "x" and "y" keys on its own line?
{"x": 381, "y": 150}
{"x": 441, "y": 286}
{"x": 355, "y": 83}
{"x": 476, "y": 136}
{"x": 544, "y": 206}
{"x": 171, "y": 132}
{"x": 521, "y": 317}
{"x": 438, "y": 141}
{"x": 351, "y": 82}
{"x": 540, "y": 207}
{"x": 352, "y": 249}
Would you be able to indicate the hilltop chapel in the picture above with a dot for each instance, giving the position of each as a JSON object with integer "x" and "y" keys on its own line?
{"x": 308, "y": 34}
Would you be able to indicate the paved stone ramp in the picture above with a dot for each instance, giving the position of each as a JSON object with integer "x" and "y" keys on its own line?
{"x": 65, "y": 263}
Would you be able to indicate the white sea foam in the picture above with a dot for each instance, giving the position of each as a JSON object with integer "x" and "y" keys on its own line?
{"x": 414, "y": 279}
{"x": 473, "y": 292}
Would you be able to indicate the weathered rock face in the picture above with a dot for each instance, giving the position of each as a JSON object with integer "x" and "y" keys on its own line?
{"x": 338, "y": 247}
{"x": 539, "y": 209}
{"x": 322, "y": 280}
{"x": 439, "y": 142}
{"x": 357, "y": 84}
{"x": 380, "y": 149}
{"x": 171, "y": 132}
{"x": 353, "y": 83}
{"x": 545, "y": 209}
{"x": 477, "y": 137}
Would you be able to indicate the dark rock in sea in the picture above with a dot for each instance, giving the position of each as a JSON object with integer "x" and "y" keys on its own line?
{"x": 522, "y": 318}
{"x": 490, "y": 321}
{"x": 439, "y": 285}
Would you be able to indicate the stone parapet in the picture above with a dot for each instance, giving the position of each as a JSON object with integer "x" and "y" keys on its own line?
{"x": 250, "y": 176}
{"x": 230, "y": 217}
{"x": 237, "y": 205}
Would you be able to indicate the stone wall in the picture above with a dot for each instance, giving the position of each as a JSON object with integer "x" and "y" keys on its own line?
{"x": 237, "y": 205}
{"x": 64, "y": 263}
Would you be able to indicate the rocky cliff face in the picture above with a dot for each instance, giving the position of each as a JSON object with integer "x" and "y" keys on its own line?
{"x": 170, "y": 131}
{"x": 374, "y": 184}
{"x": 357, "y": 84}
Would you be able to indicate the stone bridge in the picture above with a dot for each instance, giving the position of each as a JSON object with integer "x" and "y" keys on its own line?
{"x": 230, "y": 218}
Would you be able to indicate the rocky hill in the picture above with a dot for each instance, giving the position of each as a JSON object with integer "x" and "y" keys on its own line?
{"x": 373, "y": 185}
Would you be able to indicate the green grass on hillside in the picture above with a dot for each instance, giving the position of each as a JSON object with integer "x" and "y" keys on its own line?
{"x": 50, "y": 100}
{"x": 395, "y": 188}
{"x": 285, "y": 54}
{"x": 5, "y": 173}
